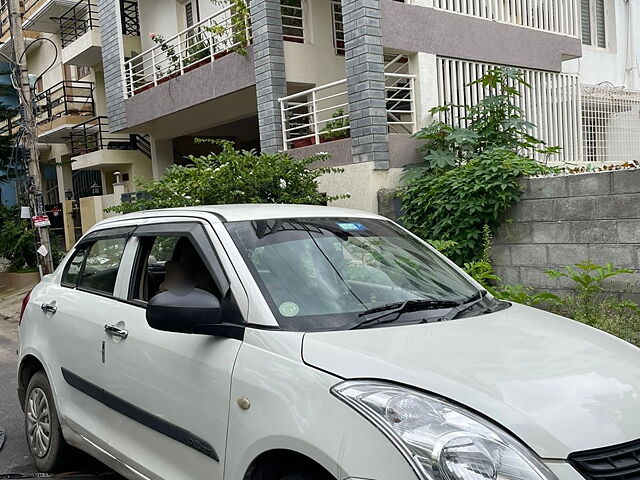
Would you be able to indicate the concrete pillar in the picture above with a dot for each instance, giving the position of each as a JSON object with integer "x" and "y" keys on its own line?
{"x": 113, "y": 62}
{"x": 425, "y": 67}
{"x": 161, "y": 156}
{"x": 365, "y": 81}
{"x": 271, "y": 81}
{"x": 64, "y": 175}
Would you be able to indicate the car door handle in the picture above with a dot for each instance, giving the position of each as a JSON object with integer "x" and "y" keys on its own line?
{"x": 116, "y": 332}
{"x": 49, "y": 308}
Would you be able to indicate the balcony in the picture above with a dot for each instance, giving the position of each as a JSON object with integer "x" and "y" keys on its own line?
{"x": 321, "y": 114}
{"x": 10, "y": 127}
{"x": 214, "y": 37}
{"x": 62, "y": 107}
{"x": 80, "y": 34}
{"x": 93, "y": 146}
{"x": 42, "y": 15}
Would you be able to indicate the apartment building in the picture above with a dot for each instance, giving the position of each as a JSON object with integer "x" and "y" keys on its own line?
{"x": 136, "y": 81}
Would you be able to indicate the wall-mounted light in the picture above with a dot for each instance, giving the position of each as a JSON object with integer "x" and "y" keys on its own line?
{"x": 95, "y": 189}
{"x": 68, "y": 194}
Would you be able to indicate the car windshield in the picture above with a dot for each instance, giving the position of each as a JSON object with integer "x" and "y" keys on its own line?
{"x": 323, "y": 273}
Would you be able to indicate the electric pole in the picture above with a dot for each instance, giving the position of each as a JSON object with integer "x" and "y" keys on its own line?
{"x": 30, "y": 136}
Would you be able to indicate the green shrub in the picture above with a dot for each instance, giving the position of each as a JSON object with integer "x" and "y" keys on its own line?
{"x": 235, "y": 176}
{"x": 17, "y": 240}
{"x": 456, "y": 204}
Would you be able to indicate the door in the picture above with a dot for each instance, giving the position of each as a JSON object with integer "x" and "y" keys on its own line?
{"x": 171, "y": 390}
{"x": 74, "y": 314}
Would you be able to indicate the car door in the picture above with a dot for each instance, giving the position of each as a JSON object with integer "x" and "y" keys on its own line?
{"x": 74, "y": 312}
{"x": 171, "y": 390}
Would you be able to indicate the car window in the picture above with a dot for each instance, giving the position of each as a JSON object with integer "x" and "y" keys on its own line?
{"x": 101, "y": 265}
{"x": 170, "y": 261}
{"x": 72, "y": 271}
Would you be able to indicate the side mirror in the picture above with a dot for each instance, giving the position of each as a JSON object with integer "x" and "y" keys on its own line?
{"x": 188, "y": 313}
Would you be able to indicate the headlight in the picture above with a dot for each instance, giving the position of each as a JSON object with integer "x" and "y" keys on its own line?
{"x": 442, "y": 441}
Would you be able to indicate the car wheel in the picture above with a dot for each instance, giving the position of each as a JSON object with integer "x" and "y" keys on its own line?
{"x": 44, "y": 436}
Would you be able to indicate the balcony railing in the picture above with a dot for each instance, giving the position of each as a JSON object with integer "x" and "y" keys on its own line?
{"x": 10, "y": 126}
{"x": 78, "y": 20}
{"x": 4, "y": 18}
{"x": 210, "y": 39}
{"x": 557, "y": 16}
{"x": 130, "y": 17}
{"x": 321, "y": 114}
{"x": 94, "y": 135}
{"x": 63, "y": 99}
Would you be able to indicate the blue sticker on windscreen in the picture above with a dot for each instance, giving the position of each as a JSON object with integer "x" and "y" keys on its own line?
{"x": 350, "y": 227}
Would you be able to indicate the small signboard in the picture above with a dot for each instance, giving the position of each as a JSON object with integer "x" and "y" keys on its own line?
{"x": 41, "y": 221}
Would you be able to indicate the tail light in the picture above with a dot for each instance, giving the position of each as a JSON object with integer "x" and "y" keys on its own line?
{"x": 25, "y": 302}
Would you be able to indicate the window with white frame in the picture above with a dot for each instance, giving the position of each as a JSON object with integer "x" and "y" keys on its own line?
{"x": 594, "y": 24}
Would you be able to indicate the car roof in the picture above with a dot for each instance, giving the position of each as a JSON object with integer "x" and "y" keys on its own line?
{"x": 242, "y": 212}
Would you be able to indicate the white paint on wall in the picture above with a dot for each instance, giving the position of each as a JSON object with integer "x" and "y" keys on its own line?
{"x": 618, "y": 63}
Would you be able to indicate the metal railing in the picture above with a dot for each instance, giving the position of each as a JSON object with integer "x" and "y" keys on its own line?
{"x": 610, "y": 124}
{"x": 78, "y": 20}
{"x": 321, "y": 114}
{"x": 130, "y": 16}
{"x": 10, "y": 126}
{"x": 94, "y": 135}
{"x": 292, "y": 12}
{"x": 552, "y": 103}
{"x": 65, "y": 98}
{"x": 204, "y": 42}
{"x": 557, "y": 16}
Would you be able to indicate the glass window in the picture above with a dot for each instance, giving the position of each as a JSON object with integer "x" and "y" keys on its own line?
{"x": 321, "y": 273}
{"x": 101, "y": 266}
{"x": 593, "y": 22}
{"x": 171, "y": 262}
{"x": 73, "y": 268}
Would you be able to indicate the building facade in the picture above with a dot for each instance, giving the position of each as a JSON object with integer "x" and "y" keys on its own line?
{"x": 135, "y": 81}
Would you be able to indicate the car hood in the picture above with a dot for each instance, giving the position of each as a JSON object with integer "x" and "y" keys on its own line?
{"x": 558, "y": 385}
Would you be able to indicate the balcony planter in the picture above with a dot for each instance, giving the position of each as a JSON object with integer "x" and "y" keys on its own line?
{"x": 142, "y": 89}
{"x": 303, "y": 142}
{"x": 197, "y": 64}
{"x": 221, "y": 54}
{"x": 168, "y": 77}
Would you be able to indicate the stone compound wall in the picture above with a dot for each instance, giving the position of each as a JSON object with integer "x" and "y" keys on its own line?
{"x": 564, "y": 220}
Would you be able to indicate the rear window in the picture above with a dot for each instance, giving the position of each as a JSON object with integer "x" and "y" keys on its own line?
{"x": 101, "y": 266}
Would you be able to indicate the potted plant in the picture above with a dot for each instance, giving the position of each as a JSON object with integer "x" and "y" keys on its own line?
{"x": 198, "y": 52}
{"x": 337, "y": 128}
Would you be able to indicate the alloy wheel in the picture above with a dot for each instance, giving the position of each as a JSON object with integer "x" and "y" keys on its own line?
{"x": 38, "y": 422}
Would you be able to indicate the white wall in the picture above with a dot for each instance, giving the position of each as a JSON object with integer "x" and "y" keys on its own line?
{"x": 618, "y": 64}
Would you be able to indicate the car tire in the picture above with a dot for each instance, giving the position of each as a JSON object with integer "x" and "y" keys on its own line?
{"x": 49, "y": 451}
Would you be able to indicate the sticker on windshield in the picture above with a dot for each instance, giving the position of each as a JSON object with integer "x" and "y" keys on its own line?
{"x": 350, "y": 227}
{"x": 289, "y": 309}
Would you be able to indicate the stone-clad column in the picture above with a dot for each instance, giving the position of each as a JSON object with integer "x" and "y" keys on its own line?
{"x": 271, "y": 81}
{"x": 112, "y": 61}
{"x": 365, "y": 81}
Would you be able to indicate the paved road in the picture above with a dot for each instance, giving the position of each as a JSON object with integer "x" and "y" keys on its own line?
{"x": 15, "y": 461}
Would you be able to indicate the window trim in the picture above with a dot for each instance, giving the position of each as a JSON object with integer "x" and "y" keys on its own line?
{"x": 593, "y": 26}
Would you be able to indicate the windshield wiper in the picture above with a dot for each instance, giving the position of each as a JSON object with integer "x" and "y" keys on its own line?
{"x": 398, "y": 308}
{"x": 464, "y": 306}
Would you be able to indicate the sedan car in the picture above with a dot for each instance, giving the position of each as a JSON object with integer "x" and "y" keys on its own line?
{"x": 274, "y": 342}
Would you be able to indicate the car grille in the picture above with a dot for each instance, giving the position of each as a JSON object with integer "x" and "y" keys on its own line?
{"x": 621, "y": 462}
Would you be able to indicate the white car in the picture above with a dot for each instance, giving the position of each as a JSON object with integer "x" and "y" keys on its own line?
{"x": 272, "y": 342}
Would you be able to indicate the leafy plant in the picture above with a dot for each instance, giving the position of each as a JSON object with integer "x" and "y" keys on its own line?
{"x": 456, "y": 204}
{"x": 17, "y": 240}
{"x": 589, "y": 299}
{"x": 495, "y": 121}
{"x": 240, "y": 25}
{"x": 337, "y": 128}
{"x": 170, "y": 53}
{"x": 197, "y": 49}
{"x": 234, "y": 176}
{"x": 523, "y": 295}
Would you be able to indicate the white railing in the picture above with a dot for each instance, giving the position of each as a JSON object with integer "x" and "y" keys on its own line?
{"x": 557, "y": 16}
{"x": 552, "y": 103}
{"x": 321, "y": 114}
{"x": 214, "y": 37}
{"x": 610, "y": 124}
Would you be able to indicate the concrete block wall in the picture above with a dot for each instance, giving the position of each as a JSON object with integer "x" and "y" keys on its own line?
{"x": 561, "y": 221}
